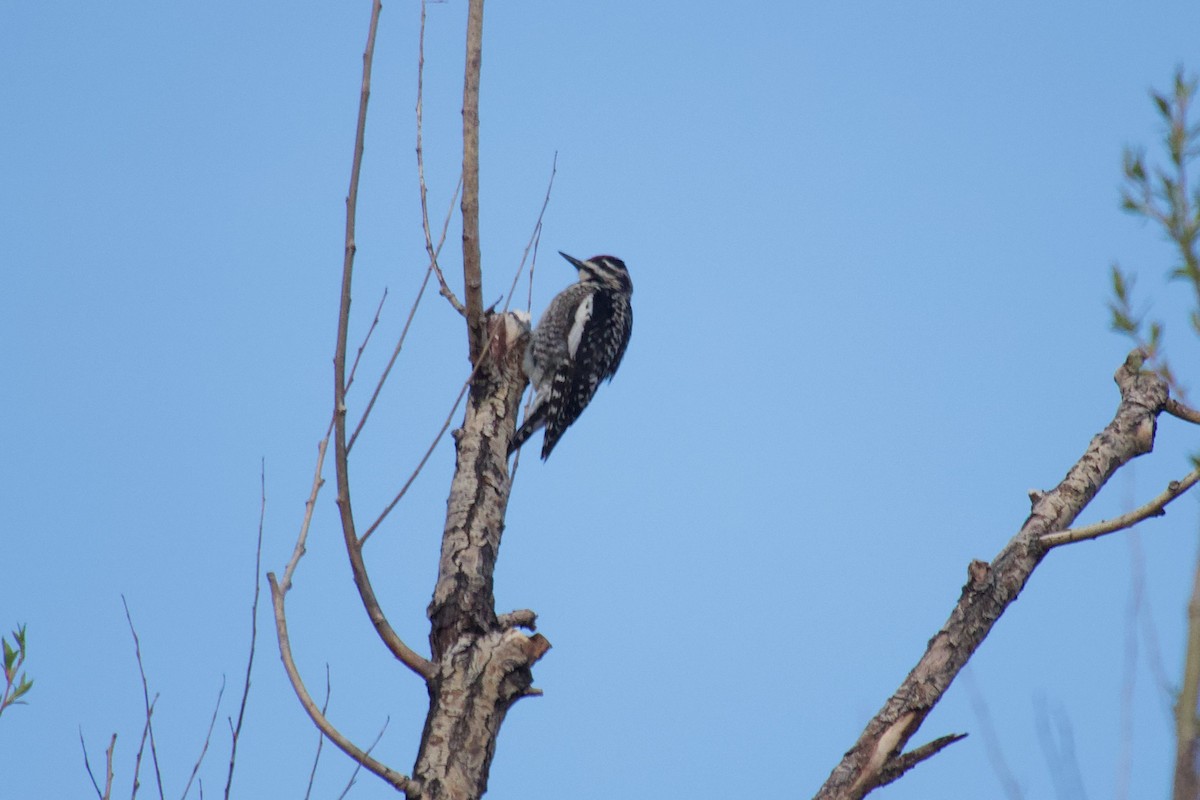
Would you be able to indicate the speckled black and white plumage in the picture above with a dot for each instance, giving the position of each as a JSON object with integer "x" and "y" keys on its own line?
{"x": 578, "y": 342}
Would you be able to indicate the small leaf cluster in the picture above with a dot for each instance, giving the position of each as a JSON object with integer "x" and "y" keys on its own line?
{"x": 14, "y": 658}
{"x": 1163, "y": 194}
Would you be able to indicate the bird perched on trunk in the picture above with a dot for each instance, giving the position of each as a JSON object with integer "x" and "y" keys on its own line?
{"x": 578, "y": 342}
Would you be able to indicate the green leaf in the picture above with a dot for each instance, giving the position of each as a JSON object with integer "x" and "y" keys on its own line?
{"x": 1118, "y": 283}
{"x": 1177, "y": 144}
{"x": 1121, "y": 321}
{"x": 1164, "y": 105}
{"x": 10, "y": 655}
{"x": 1183, "y": 88}
{"x": 25, "y": 686}
{"x": 1133, "y": 166}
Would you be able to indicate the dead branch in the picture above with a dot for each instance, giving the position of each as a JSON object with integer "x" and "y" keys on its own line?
{"x": 472, "y": 268}
{"x": 521, "y": 618}
{"x": 897, "y": 767}
{"x": 535, "y": 237}
{"x": 396, "y": 779}
{"x": 357, "y": 767}
{"x": 280, "y": 588}
{"x": 108, "y": 767}
{"x": 149, "y": 706}
{"x": 990, "y": 588}
{"x": 421, "y": 464}
{"x": 412, "y": 312}
{"x": 399, "y": 649}
{"x": 424, "y": 189}
{"x": 236, "y": 730}
{"x": 137, "y": 760}
{"x": 309, "y": 504}
{"x": 312, "y": 774}
{"x": 207, "y": 740}
{"x": 1184, "y": 412}
{"x": 406, "y": 655}
{"x": 108, "y": 771}
{"x": 366, "y": 339}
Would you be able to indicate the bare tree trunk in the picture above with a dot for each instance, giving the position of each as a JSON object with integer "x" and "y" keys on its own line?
{"x": 483, "y": 663}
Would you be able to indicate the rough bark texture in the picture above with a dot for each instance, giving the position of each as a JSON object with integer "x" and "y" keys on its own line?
{"x": 878, "y": 756}
{"x": 483, "y": 666}
{"x": 478, "y": 681}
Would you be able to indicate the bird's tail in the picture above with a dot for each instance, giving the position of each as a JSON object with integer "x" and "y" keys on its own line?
{"x": 534, "y": 421}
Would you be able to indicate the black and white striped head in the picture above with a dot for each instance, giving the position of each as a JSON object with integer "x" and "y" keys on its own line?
{"x": 606, "y": 271}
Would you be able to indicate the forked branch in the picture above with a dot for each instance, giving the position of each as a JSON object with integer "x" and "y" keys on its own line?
{"x": 878, "y": 755}
{"x": 279, "y": 589}
{"x": 340, "y": 443}
{"x": 396, "y": 779}
{"x": 1155, "y": 508}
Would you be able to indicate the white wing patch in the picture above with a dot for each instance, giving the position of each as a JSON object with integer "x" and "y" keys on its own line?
{"x": 582, "y": 314}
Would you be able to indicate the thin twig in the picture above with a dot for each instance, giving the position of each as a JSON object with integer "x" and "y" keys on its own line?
{"x": 535, "y": 238}
{"x": 108, "y": 767}
{"x": 338, "y": 425}
{"x": 424, "y": 190}
{"x": 137, "y": 649}
{"x": 137, "y": 761}
{"x": 534, "y": 241}
{"x": 309, "y": 504}
{"x": 397, "y": 780}
{"x": 312, "y": 774}
{"x": 1155, "y": 508}
{"x": 107, "y": 793}
{"x": 362, "y": 347}
{"x": 262, "y": 514}
{"x": 907, "y": 761}
{"x": 399, "y": 649}
{"x": 472, "y": 263}
{"x": 357, "y": 767}
{"x": 428, "y": 452}
{"x": 366, "y": 592}
{"x": 208, "y": 738}
{"x": 412, "y": 312}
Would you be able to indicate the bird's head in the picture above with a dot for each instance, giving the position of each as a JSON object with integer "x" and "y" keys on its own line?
{"x": 607, "y": 271}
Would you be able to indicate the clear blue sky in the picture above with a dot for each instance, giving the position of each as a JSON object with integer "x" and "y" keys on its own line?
{"x": 870, "y": 245}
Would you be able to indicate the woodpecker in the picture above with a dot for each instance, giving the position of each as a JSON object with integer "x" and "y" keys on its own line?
{"x": 578, "y": 342}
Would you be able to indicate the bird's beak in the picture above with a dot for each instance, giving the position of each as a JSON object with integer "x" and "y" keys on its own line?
{"x": 585, "y": 271}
